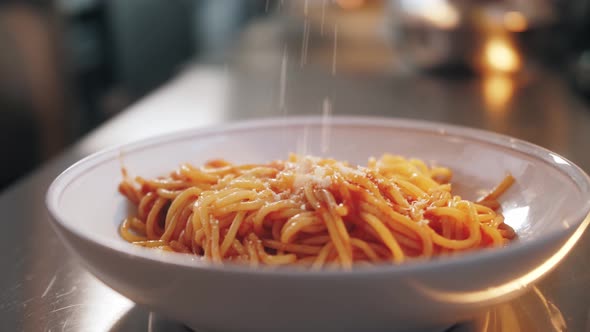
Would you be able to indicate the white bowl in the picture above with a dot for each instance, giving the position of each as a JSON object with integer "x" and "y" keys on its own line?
{"x": 548, "y": 207}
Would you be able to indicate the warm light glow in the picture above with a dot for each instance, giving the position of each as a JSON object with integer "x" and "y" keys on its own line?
{"x": 500, "y": 55}
{"x": 350, "y": 4}
{"x": 497, "y": 91}
{"x": 439, "y": 13}
{"x": 515, "y": 21}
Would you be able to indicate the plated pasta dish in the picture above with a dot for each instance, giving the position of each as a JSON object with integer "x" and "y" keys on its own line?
{"x": 312, "y": 212}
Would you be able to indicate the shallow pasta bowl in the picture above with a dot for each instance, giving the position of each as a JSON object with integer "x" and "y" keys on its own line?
{"x": 547, "y": 206}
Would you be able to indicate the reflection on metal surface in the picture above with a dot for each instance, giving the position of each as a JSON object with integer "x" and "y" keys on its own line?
{"x": 501, "y": 56}
{"x": 109, "y": 306}
{"x": 518, "y": 283}
{"x": 515, "y": 21}
{"x": 553, "y": 313}
{"x": 509, "y": 320}
{"x": 440, "y": 13}
{"x": 497, "y": 92}
{"x": 531, "y": 312}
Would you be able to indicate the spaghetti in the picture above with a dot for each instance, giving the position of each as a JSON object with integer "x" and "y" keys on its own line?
{"x": 311, "y": 212}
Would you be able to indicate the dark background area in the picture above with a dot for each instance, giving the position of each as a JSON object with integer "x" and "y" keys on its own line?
{"x": 67, "y": 66}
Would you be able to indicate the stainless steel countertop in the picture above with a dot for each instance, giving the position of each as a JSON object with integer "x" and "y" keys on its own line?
{"x": 43, "y": 288}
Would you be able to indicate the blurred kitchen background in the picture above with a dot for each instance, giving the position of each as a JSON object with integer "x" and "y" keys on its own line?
{"x": 66, "y": 66}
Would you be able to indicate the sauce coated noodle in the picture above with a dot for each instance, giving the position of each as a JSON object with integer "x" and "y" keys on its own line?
{"x": 311, "y": 212}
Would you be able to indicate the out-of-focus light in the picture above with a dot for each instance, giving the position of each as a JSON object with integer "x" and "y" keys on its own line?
{"x": 350, "y": 4}
{"x": 515, "y": 22}
{"x": 443, "y": 15}
{"x": 439, "y": 13}
{"x": 497, "y": 91}
{"x": 500, "y": 55}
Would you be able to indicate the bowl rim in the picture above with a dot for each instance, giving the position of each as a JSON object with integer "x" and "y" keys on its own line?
{"x": 578, "y": 220}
